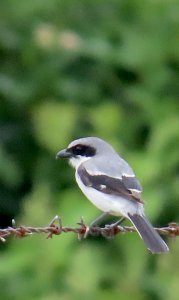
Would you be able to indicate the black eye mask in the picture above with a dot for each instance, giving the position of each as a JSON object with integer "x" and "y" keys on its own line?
{"x": 82, "y": 150}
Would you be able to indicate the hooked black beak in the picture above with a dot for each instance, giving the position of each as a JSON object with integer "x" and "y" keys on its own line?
{"x": 63, "y": 154}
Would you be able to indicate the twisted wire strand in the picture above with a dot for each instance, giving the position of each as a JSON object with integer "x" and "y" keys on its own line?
{"x": 82, "y": 230}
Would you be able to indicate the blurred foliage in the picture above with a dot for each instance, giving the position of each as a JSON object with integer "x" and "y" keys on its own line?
{"x": 77, "y": 68}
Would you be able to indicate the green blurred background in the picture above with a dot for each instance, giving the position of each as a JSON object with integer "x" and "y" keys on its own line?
{"x": 77, "y": 68}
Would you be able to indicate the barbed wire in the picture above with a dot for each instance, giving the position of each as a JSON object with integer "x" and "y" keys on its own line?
{"x": 56, "y": 228}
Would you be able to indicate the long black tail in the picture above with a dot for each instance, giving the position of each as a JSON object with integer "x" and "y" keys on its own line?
{"x": 149, "y": 235}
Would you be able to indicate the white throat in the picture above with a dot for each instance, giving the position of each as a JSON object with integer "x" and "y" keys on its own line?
{"x": 77, "y": 161}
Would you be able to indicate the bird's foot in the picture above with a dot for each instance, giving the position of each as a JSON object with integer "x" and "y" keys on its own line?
{"x": 112, "y": 229}
{"x": 109, "y": 231}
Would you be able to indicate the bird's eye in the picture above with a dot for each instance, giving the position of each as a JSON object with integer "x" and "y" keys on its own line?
{"x": 78, "y": 150}
{"x": 83, "y": 150}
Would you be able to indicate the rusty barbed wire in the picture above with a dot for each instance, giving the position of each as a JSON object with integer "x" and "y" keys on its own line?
{"x": 82, "y": 230}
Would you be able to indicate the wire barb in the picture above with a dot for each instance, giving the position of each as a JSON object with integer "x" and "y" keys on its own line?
{"x": 56, "y": 227}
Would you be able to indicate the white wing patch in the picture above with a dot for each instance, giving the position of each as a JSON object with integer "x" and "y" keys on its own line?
{"x": 102, "y": 186}
{"x": 127, "y": 175}
{"x": 97, "y": 173}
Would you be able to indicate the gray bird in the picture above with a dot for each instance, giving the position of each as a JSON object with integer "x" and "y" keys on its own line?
{"x": 110, "y": 184}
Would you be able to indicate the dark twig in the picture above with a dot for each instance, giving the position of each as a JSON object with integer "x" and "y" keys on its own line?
{"x": 82, "y": 230}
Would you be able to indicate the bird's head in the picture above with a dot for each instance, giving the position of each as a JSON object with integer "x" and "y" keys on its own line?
{"x": 83, "y": 149}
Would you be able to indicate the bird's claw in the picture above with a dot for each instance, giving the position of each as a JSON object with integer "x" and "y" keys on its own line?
{"x": 110, "y": 230}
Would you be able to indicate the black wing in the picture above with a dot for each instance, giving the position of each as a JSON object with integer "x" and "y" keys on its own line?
{"x": 126, "y": 187}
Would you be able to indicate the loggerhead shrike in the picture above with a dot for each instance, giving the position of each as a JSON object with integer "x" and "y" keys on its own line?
{"x": 110, "y": 184}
